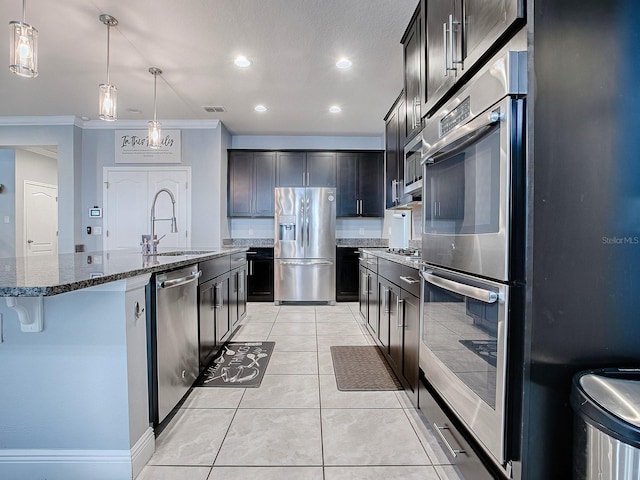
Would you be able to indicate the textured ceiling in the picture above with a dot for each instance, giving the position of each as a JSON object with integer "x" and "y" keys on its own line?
{"x": 293, "y": 45}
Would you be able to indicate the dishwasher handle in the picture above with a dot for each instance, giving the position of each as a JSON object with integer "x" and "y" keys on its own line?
{"x": 176, "y": 282}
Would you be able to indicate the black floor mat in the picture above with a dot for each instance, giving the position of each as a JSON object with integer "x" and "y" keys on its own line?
{"x": 238, "y": 364}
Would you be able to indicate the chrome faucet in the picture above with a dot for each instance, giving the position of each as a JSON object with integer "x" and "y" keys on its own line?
{"x": 174, "y": 225}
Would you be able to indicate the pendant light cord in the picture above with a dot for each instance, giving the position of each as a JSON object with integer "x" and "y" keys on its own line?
{"x": 108, "y": 38}
{"x": 155, "y": 81}
{"x": 24, "y": 11}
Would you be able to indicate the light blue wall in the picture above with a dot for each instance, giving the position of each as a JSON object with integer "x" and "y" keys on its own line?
{"x": 7, "y": 202}
{"x": 66, "y": 137}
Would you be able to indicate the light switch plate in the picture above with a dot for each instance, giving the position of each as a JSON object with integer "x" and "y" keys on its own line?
{"x": 97, "y": 230}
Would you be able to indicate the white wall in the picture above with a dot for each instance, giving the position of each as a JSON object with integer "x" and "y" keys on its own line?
{"x": 7, "y": 202}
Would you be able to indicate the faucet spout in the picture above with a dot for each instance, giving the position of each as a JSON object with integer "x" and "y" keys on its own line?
{"x": 174, "y": 223}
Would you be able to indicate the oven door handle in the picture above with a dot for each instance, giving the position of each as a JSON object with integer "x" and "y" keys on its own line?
{"x": 480, "y": 294}
{"x": 463, "y": 136}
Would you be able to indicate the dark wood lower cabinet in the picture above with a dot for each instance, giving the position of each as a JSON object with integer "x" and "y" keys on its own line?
{"x": 397, "y": 326}
{"x": 260, "y": 274}
{"x": 347, "y": 277}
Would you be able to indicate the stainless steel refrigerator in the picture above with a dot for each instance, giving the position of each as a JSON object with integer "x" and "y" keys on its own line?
{"x": 305, "y": 245}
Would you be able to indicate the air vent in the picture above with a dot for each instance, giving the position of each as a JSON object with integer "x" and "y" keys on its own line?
{"x": 214, "y": 109}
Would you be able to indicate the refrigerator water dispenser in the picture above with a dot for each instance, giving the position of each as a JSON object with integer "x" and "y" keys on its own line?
{"x": 287, "y": 228}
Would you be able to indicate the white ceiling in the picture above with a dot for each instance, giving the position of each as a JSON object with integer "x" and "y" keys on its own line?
{"x": 293, "y": 45}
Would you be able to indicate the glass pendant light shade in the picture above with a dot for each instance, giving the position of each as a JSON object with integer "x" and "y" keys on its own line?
{"x": 155, "y": 134}
{"x": 108, "y": 102}
{"x": 154, "y": 139}
{"x": 23, "y": 53}
{"x": 108, "y": 99}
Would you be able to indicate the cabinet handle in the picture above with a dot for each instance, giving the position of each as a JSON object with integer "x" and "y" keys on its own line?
{"x": 409, "y": 280}
{"x": 138, "y": 312}
{"x": 218, "y": 296}
{"x": 394, "y": 182}
{"x": 385, "y": 304}
{"x": 445, "y": 52}
{"x": 400, "y": 309}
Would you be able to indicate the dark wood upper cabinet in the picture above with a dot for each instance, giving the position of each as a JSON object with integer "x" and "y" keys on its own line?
{"x": 360, "y": 184}
{"x": 251, "y": 180}
{"x": 306, "y": 169}
{"x": 460, "y": 35}
{"x": 413, "y": 48}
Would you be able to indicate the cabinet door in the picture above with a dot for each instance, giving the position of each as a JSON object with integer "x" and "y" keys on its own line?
{"x": 241, "y": 184}
{"x": 321, "y": 169}
{"x": 412, "y": 43}
{"x": 347, "y": 274}
{"x": 238, "y": 296}
{"x": 395, "y": 326}
{"x": 221, "y": 303}
{"x": 391, "y": 154}
{"x": 370, "y": 184}
{"x": 264, "y": 183}
{"x": 411, "y": 336}
{"x": 364, "y": 294}
{"x": 373, "y": 319}
{"x": 260, "y": 275}
{"x": 441, "y": 74}
{"x": 290, "y": 169}
{"x": 347, "y": 191}
{"x": 207, "y": 323}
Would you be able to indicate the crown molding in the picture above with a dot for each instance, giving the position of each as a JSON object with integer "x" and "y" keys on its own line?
{"x": 40, "y": 121}
{"x": 51, "y": 120}
{"x": 143, "y": 124}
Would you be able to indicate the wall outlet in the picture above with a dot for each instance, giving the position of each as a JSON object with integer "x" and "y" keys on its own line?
{"x": 251, "y": 232}
{"x": 6, "y": 219}
{"x": 362, "y": 231}
{"x": 97, "y": 230}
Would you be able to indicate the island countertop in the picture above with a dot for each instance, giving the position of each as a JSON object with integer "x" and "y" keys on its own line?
{"x": 48, "y": 275}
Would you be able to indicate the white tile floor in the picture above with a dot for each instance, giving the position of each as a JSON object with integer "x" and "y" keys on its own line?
{"x": 297, "y": 424}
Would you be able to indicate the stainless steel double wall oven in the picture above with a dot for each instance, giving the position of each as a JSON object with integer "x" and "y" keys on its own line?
{"x": 472, "y": 160}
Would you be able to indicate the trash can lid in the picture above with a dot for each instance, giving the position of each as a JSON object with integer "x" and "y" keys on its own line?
{"x": 610, "y": 400}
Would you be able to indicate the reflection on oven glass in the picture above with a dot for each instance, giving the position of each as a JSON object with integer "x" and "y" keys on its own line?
{"x": 462, "y": 333}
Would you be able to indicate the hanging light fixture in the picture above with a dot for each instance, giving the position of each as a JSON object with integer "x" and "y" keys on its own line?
{"x": 108, "y": 92}
{"x": 155, "y": 134}
{"x": 23, "y": 59}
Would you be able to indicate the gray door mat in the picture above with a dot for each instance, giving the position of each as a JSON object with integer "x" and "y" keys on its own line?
{"x": 361, "y": 368}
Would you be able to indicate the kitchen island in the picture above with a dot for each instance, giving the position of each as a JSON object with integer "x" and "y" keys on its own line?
{"x": 73, "y": 363}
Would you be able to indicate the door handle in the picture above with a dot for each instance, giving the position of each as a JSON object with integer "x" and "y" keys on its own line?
{"x": 29, "y": 241}
{"x": 480, "y": 294}
{"x": 180, "y": 281}
{"x": 409, "y": 280}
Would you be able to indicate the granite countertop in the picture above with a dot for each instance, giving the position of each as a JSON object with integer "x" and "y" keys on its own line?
{"x": 411, "y": 261}
{"x": 54, "y": 274}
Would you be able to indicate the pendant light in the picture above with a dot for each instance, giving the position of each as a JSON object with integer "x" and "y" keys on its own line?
{"x": 108, "y": 92}
{"x": 23, "y": 59}
{"x": 155, "y": 133}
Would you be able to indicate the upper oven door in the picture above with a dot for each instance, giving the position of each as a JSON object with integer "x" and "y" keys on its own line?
{"x": 467, "y": 191}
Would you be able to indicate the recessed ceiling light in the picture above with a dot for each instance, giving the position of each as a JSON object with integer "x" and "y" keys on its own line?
{"x": 242, "y": 61}
{"x": 343, "y": 63}
{"x": 260, "y": 108}
{"x": 335, "y": 109}
{"x": 134, "y": 110}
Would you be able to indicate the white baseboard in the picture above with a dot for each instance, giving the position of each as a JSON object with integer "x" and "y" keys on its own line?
{"x": 77, "y": 464}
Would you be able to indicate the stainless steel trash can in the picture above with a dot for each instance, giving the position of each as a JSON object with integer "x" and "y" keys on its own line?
{"x": 606, "y": 405}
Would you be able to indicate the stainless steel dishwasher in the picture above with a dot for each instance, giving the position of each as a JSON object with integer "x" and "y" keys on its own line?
{"x": 173, "y": 339}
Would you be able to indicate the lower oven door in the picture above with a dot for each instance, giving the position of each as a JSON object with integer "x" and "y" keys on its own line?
{"x": 463, "y": 351}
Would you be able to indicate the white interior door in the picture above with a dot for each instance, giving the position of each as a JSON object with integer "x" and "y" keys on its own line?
{"x": 40, "y": 218}
{"x": 128, "y": 197}
{"x": 126, "y": 217}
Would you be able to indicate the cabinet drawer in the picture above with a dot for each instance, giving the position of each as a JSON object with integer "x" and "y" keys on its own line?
{"x": 369, "y": 262}
{"x": 214, "y": 267}
{"x": 392, "y": 271}
{"x": 410, "y": 280}
{"x": 238, "y": 259}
